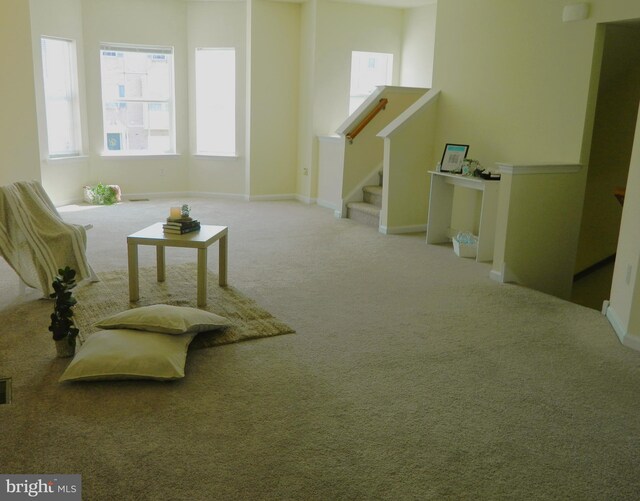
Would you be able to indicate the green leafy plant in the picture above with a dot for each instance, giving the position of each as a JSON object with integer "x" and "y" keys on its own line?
{"x": 62, "y": 325}
{"x": 103, "y": 194}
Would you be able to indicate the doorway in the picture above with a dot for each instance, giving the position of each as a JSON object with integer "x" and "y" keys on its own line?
{"x": 610, "y": 154}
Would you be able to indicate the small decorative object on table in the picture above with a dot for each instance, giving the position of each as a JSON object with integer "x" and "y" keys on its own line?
{"x": 471, "y": 167}
{"x": 453, "y": 157}
{"x": 62, "y": 325}
{"x": 179, "y": 222}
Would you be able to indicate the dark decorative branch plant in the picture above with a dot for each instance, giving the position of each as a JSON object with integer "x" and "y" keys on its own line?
{"x": 62, "y": 325}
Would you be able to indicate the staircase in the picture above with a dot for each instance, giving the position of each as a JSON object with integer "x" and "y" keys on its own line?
{"x": 367, "y": 211}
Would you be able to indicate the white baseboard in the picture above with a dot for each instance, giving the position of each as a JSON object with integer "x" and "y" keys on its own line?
{"x": 305, "y": 199}
{"x": 627, "y": 339}
{"x": 398, "y": 230}
{"x": 503, "y": 275}
{"x": 496, "y": 275}
{"x": 270, "y": 198}
{"x": 326, "y": 204}
{"x": 202, "y": 194}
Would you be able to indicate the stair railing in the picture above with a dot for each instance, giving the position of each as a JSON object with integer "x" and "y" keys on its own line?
{"x": 382, "y": 104}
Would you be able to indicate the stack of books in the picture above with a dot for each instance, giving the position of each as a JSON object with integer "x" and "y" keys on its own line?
{"x": 181, "y": 226}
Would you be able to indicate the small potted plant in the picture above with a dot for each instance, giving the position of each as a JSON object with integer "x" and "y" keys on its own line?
{"x": 102, "y": 194}
{"x": 62, "y": 325}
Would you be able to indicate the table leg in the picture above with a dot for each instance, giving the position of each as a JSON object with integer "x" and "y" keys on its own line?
{"x": 160, "y": 262}
{"x": 134, "y": 287}
{"x": 202, "y": 277}
{"x": 222, "y": 261}
{"x": 440, "y": 210}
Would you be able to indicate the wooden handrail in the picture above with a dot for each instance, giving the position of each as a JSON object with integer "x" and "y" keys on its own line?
{"x": 382, "y": 104}
{"x": 619, "y": 193}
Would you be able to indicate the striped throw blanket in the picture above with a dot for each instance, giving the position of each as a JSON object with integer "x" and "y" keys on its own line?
{"x": 34, "y": 239}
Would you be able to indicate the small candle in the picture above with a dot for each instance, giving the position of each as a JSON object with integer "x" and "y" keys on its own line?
{"x": 175, "y": 212}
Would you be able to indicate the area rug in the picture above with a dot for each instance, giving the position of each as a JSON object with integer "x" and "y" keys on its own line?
{"x": 111, "y": 295}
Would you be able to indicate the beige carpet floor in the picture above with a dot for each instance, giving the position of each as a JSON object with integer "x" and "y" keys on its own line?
{"x": 411, "y": 376}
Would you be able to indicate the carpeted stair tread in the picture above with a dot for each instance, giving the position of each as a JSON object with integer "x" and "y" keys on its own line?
{"x": 364, "y": 207}
{"x": 373, "y": 189}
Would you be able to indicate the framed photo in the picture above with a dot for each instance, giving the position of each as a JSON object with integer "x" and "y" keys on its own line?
{"x": 453, "y": 157}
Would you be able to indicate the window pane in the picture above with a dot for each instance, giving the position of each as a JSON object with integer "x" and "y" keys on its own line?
{"x": 368, "y": 70}
{"x": 216, "y": 101}
{"x": 60, "y": 93}
{"x": 137, "y": 97}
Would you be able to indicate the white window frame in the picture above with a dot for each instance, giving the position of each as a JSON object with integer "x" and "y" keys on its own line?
{"x": 70, "y": 95}
{"x": 169, "y": 101}
{"x": 217, "y": 100}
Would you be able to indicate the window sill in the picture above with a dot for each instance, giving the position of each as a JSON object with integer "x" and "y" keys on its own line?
{"x": 214, "y": 156}
{"x": 130, "y": 156}
{"x": 69, "y": 159}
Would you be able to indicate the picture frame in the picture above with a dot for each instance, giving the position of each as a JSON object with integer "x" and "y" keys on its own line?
{"x": 453, "y": 157}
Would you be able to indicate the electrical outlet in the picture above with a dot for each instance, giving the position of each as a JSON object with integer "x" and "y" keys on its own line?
{"x": 305, "y": 171}
{"x": 628, "y": 277}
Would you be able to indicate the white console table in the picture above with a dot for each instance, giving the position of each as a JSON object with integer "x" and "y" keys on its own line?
{"x": 441, "y": 204}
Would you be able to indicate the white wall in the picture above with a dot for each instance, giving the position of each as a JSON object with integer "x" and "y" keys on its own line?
{"x": 146, "y": 22}
{"x": 418, "y": 46}
{"x": 218, "y": 24}
{"x": 19, "y": 159}
{"x": 63, "y": 179}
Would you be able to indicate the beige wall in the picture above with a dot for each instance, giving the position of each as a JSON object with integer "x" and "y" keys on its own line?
{"x": 416, "y": 69}
{"x": 295, "y": 95}
{"x": 615, "y": 122}
{"x": 19, "y": 156}
{"x": 308, "y": 180}
{"x": 146, "y": 22}
{"x": 63, "y": 179}
{"x": 341, "y": 29}
{"x": 406, "y": 178}
{"x": 275, "y": 56}
{"x": 218, "y": 24}
{"x": 510, "y": 99}
{"x": 366, "y": 152}
{"x": 625, "y": 290}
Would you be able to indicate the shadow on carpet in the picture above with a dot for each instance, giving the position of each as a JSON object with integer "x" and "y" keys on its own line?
{"x": 111, "y": 295}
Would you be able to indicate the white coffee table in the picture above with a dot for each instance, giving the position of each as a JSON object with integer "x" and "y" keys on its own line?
{"x": 201, "y": 240}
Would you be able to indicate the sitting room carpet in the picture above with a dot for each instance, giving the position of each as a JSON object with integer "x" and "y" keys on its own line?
{"x": 111, "y": 295}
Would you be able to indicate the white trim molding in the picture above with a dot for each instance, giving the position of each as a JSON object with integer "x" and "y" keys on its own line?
{"x": 398, "y": 230}
{"x": 268, "y": 198}
{"x": 538, "y": 169}
{"x": 626, "y": 339}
